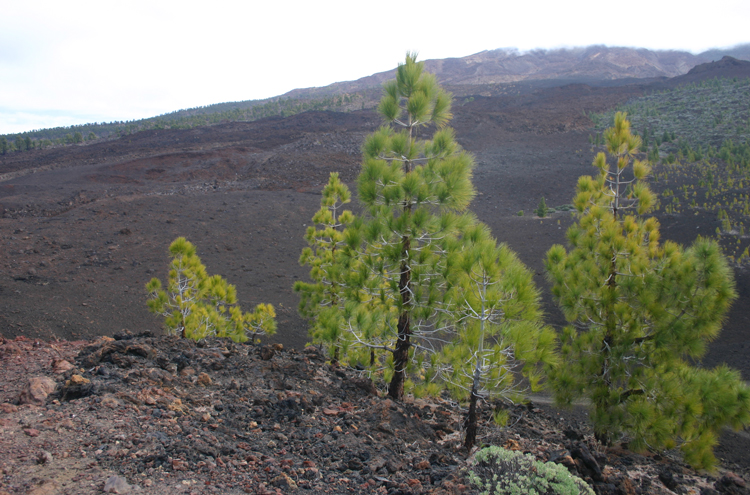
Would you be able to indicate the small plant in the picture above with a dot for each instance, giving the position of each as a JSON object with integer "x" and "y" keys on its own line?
{"x": 499, "y": 471}
{"x": 567, "y": 207}
{"x": 196, "y": 305}
{"x": 520, "y": 213}
{"x": 500, "y": 417}
{"x": 541, "y": 209}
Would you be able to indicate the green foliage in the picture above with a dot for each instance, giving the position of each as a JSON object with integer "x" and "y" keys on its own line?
{"x": 705, "y": 113}
{"x": 640, "y": 312}
{"x": 497, "y": 471}
{"x": 431, "y": 290}
{"x": 699, "y": 131}
{"x": 321, "y": 301}
{"x": 721, "y": 179}
{"x": 196, "y": 305}
{"x": 499, "y": 334}
{"x": 500, "y": 417}
{"x": 414, "y": 192}
{"x": 541, "y": 209}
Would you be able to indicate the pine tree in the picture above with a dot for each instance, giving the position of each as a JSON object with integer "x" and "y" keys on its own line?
{"x": 413, "y": 191}
{"x": 541, "y": 209}
{"x": 640, "y": 313}
{"x": 196, "y": 305}
{"x": 499, "y": 331}
{"x": 321, "y": 301}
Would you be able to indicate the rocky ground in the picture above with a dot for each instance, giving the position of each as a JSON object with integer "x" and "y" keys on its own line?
{"x": 163, "y": 415}
{"x": 83, "y": 228}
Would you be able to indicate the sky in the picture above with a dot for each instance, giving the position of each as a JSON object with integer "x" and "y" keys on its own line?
{"x": 75, "y": 62}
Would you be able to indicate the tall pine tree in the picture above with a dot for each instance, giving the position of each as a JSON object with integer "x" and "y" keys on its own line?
{"x": 414, "y": 192}
{"x": 640, "y": 313}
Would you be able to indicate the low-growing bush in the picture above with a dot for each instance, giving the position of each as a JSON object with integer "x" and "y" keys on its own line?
{"x": 499, "y": 471}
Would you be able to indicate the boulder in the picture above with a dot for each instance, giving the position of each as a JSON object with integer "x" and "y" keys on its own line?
{"x": 36, "y": 390}
{"x": 116, "y": 484}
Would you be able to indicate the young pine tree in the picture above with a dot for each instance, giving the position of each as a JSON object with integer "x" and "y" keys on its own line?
{"x": 413, "y": 191}
{"x": 321, "y": 300}
{"x": 541, "y": 209}
{"x": 499, "y": 332}
{"x": 196, "y": 305}
{"x": 640, "y": 313}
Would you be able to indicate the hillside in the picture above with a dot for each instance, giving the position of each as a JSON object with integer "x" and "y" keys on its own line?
{"x": 85, "y": 226}
{"x": 487, "y": 73}
{"x": 592, "y": 64}
{"x": 92, "y": 222}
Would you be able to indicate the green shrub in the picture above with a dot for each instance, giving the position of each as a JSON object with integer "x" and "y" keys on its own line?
{"x": 541, "y": 209}
{"x": 499, "y": 471}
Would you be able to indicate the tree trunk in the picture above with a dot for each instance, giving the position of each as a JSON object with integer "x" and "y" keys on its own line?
{"x": 605, "y": 405}
{"x": 400, "y": 358}
{"x": 471, "y": 422}
{"x": 401, "y": 355}
{"x": 471, "y": 416}
{"x": 403, "y": 343}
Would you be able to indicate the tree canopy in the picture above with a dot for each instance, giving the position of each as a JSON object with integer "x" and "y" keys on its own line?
{"x": 640, "y": 313}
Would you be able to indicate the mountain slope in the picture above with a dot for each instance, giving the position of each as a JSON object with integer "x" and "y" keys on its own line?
{"x": 583, "y": 64}
{"x": 487, "y": 73}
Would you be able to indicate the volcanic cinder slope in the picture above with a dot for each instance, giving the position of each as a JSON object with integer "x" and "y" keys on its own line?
{"x": 86, "y": 226}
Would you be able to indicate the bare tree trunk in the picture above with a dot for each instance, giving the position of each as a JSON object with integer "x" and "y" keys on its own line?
{"x": 403, "y": 343}
{"x": 471, "y": 422}
{"x": 400, "y": 358}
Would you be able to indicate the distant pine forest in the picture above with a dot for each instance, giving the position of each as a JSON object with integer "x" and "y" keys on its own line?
{"x": 243, "y": 111}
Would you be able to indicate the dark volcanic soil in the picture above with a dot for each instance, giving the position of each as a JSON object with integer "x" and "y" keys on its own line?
{"x": 85, "y": 227}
